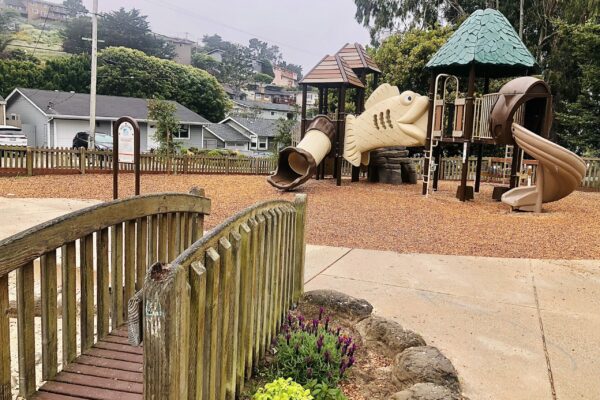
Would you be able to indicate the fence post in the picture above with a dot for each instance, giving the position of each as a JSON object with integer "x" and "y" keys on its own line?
{"x": 300, "y": 245}
{"x": 29, "y": 160}
{"x": 82, "y": 160}
{"x": 166, "y": 332}
{"x": 256, "y": 165}
{"x": 185, "y": 163}
{"x": 227, "y": 166}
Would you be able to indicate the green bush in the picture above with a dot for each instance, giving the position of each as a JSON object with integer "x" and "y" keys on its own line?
{"x": 312, "y": 350}
{"x": 322, "y": 391}
{"x": 214, "y": 153}
{"x": 282, "y": 389}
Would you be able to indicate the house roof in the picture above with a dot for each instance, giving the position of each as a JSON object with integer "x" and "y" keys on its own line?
{"x": 332, "y": 69}
{"x": 258, "y": 126}
{"x": 357, "y": 58}
{"x": 264, "y": 106}
{"x": 77, "y": 105}
{"x": 487, "y": 40}
{"x": 226, "y": 133}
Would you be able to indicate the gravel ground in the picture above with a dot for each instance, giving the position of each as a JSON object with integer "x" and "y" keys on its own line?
{"x": 373, "y": 216}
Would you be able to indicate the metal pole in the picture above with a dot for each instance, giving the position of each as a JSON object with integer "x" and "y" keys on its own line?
{"x": 92, "y": 137}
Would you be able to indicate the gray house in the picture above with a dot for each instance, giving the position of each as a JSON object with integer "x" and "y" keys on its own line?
{"x": 51, "y": 118}
{"x": 262, "y": 132}
{"x": 225, "y": 136}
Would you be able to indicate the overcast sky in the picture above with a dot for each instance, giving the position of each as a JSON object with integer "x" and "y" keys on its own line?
{"x": 304, "y": 30}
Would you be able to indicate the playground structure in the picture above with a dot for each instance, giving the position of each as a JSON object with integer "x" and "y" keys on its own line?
{"x": 519, "y": 117}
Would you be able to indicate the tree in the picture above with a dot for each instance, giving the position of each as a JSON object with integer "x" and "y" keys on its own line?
{"x": 75, "y": 8}
{"x": 7, "y": 19}
{"x": 164, "y": 113}
{"x": 285, "y": 128}
{"x": 263, "y": 51}
{"x": 16, "y": 73}
{"x": 574, "y": 76}
{"x": 236, "y": 67}
{"x": 127, "y": 72}
{"x": 67, "y": 74}
{"x": 126, "y": 28}
{"x": 263, "y": 78}
{"x": 292, "y": 67}
{"x": 207, "y": 63}
{"x": 403, "y": 56}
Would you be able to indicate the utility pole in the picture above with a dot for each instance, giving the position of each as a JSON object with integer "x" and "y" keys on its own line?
{"x": 92, "y": 137}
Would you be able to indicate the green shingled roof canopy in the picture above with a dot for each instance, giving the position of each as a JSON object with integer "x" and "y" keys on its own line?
{"x": 487, "y": 39}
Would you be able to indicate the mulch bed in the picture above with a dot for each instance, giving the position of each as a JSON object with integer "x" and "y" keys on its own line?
{"x": 373, "y": 216}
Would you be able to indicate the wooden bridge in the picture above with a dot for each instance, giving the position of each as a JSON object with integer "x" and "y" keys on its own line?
{"x": 211, "y": 303}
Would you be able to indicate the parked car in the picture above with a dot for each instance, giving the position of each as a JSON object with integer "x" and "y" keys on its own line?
{"x": 12, "y": 136}
{"x": 102, "y": 142}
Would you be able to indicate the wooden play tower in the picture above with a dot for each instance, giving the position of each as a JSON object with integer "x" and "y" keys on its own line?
{"x": 347, "y": 69}
{"x": 484, "y": 47}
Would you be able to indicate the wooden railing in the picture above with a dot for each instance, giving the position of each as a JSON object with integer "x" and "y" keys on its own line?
{"x": 38, "y": 161}
{"x": 210, "y": 315}
{"x": 108, "y": 246}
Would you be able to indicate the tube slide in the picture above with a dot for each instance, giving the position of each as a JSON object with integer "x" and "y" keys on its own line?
{"x": 298, "y": 164}
{"x": 559, "y": 172}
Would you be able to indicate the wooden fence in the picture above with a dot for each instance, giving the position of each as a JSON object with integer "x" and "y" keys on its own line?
{"x": 497, "y": 170}
{"x": 109, "y": 246}
{"x": 44, "y": 161}
{"x": 211, "y": 314}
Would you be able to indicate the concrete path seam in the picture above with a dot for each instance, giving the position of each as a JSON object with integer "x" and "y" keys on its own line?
{"x": 430, "y": 291}
{"x": 546, "y": 353}
{"x": 329, "y": 266}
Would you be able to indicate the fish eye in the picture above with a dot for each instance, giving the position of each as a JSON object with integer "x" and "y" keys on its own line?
{"x": 409, "y": 98}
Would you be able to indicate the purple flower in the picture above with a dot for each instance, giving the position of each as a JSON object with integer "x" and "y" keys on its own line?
{"x": 327, "y": 356}
{"x": 320, "y": 343}
{"x": 350, "y": 361}
{"x": 352, "y": 350}
{"x": 287, "y": 338}
{"x": 337, "y": 332}
{"x": 327, "y": 323}
{"x": 308, "y": 360}
{"x": 320, "y": 313}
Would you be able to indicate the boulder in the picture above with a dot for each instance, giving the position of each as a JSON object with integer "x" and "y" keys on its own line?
{"x": 422, "y": 365}
{"x": 389, "y": 335}
{"x": 426, "y": 391}
{"x": 350, "y": 307}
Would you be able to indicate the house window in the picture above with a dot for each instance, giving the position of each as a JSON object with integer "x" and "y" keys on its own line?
{"x": 272, "y": 112}
{"x": 253, "y": 142}
{"x": 184, "y": 132}
{"x": 210, "y": 143}
{"x": 262, "y": 144}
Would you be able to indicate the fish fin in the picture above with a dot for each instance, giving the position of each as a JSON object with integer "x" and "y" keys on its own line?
{"x": 383, "y": 92}
{"x": 365, "y": 158}
{"x": 351, "y": 152}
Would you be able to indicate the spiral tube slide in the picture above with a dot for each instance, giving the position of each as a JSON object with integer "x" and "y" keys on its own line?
{"x": 559, "y": 173}
{"x": 298, "y": 164}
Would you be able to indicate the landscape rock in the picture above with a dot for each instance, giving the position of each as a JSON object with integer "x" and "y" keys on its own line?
{"x": 426, "y": 391}
{"x": 332, "y": 300}
{"x": 390, "y": 335}
{"x": 424, "y": 364}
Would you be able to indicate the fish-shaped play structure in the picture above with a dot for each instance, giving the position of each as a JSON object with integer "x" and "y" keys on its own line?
{"x": 391, "y": 118}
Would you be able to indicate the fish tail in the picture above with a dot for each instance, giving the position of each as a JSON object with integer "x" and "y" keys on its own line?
{"x": 351, "y": 152}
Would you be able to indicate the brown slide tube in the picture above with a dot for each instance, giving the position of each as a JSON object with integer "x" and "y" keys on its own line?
{"x": 298, "y": 164}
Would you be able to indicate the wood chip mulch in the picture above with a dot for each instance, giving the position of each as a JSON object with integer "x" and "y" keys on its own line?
{"x": 372, "y": 216}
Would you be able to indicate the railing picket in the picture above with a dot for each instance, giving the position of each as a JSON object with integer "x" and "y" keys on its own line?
{"x": 69, "y": 313}
{"x": 5, "y": 372}
{"x": 211, "y": 351}
{"x": 172, "y": 244}
{"x": 49, "y": 320}
{"x": 102, "y": 283}
{"x": 234, "y": 317}
{"x": 300, "y": 203}
{"x": 197, "y": 330}
{"x": 225, "y": 302}
{"x": 116, "y": 274}
{"x": 129, "y": 270}
{"x": 253, "y": 289}
{"x": 152, "y": 239}
{"x": 260, "y": 277}
{"x": 163, "y": 230}
{"x": 26, "y": 329}
{"x": 245, "y": 272}
{"x": 86, "y": 247}
{"x": 141, "y": 245}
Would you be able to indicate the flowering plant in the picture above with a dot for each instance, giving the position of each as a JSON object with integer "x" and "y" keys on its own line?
{"x": 311, "y": 350}
{"x": 282, "y": 389}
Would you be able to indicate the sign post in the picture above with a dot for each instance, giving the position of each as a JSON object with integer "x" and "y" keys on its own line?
{"x": 126, "y": 149}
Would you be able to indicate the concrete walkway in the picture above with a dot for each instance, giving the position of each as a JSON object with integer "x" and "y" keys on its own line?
{"x": 514, "y": 328}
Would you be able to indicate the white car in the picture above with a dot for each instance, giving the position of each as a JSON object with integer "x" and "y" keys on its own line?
{"x": 12, "y": 136}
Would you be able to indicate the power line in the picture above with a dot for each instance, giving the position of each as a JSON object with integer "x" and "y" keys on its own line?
{"x": 41, "y": 32}
{"x": 185, "y": 12}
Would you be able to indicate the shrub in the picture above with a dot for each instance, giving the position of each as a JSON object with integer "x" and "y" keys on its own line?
{"x": 322, "y": 391}
{"x": 312, "y": 350}
{"x": 214, "y": 153}
{"x": 282, "y": 389}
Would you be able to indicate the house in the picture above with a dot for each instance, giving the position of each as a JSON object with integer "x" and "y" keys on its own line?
{"x": 263, "y": 110}
{"x": 285, "y": 77}
{"x": 261, "y": 132}
{"x": 225, "y": 136}
{"x": 274, "y": 94}
{"x": 183, "y": 49}
{"x": 2, "y": 111}
{"x": 311, "y": 98}
{"x": 37, "y": 9}
{"x": 216, "y": 54}
{"x": 52, "y": 118}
